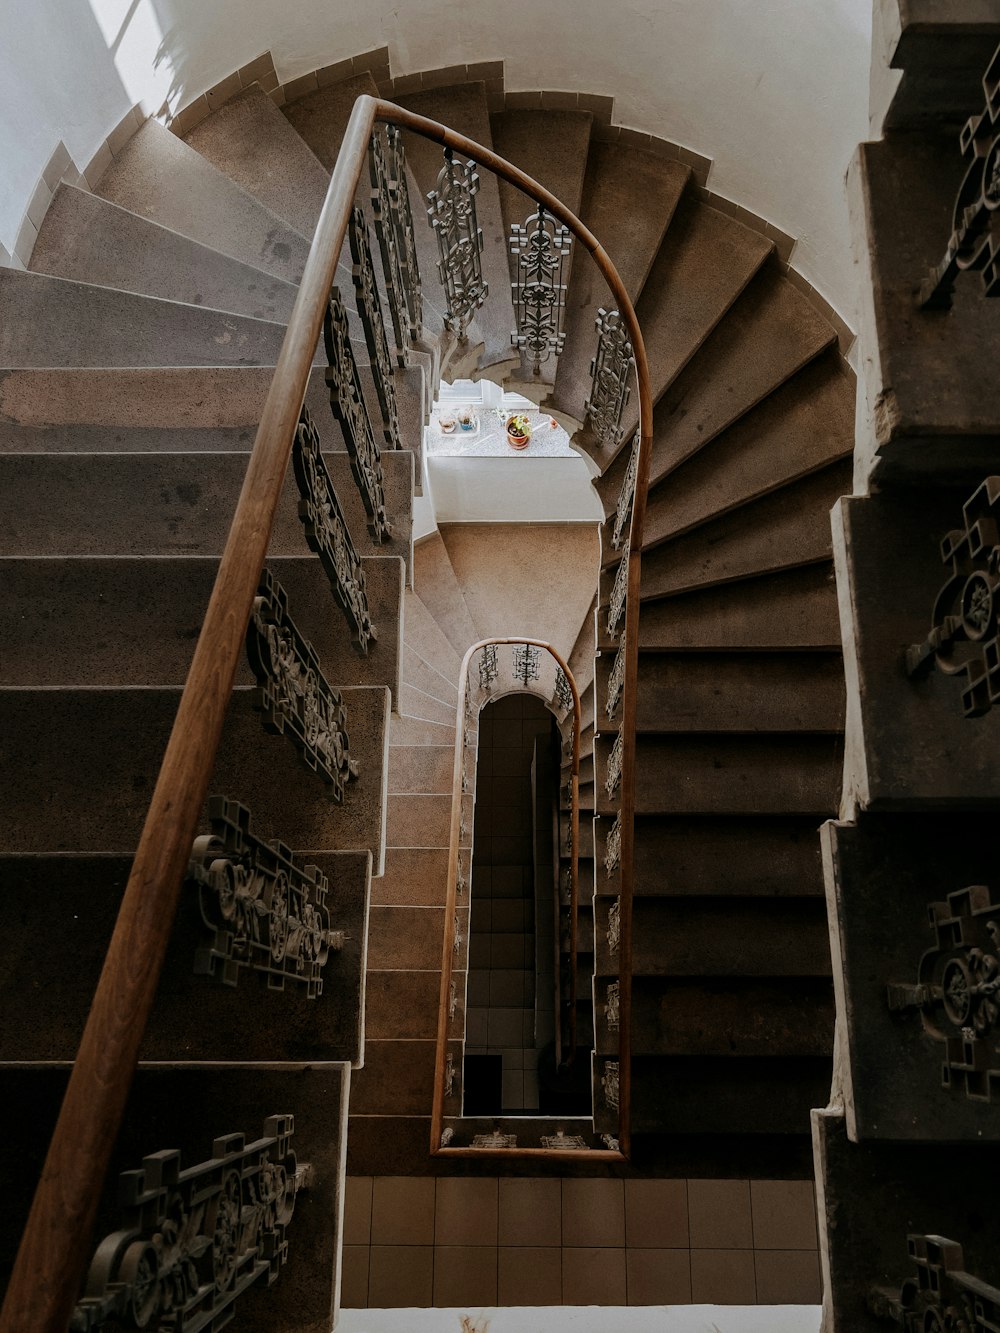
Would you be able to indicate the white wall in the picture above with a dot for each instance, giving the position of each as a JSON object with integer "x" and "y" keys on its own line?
{"x": 775, "y": 91}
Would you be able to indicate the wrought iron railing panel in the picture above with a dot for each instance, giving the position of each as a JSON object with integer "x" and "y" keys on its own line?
{"x": 611, "y": 373}
{"x": 370, "y": 310}
{"x": 292, "y": 693}
{"x": 394, "y": 269}
{"x": 452, "y": 214}
{"x": 263, "y": 910}
{"x": 193, "y": 1240}
{"x": 541, "y": 247}
{"x": 327, "y": 533}
{"x": 941, "y": 1296}
{"x": 623, "y": 512}
{"x": 347, "y": 403}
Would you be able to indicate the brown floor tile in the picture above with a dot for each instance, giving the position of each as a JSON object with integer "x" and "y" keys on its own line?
{"x": 788, "y": 1277}
{"x": 358, "y": 1211}
{"x": 784, "y": 1214}
{"x": 719, "y": 1214}
{"x": 403, "y": 1210}
{"x": 466, "y": 1211}
{"x": 400, "y": 1275}
{"x": 530, "y": 1213}
{"x": 529, "y": 1276}
{"x": 593, "y": 1277}
{"x": 354, "y": 1278}
{"x": 465, "y": 1275}
{"x": 723, "y": 1277}
{"x": 593, "y": 1212}
{"x": 658, "y": 1277}
{"x": 656, "y": 1214}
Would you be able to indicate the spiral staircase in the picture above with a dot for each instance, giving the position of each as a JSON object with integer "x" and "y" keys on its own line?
{"x": 136, "y": 353}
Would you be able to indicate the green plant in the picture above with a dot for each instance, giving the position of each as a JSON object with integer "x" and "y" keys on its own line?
{"x": 519, "y": 424}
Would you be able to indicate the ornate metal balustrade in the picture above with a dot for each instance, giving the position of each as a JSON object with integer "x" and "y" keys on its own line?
{"x": 293, "y": 695}
{"x": 611, "y": 374}
{"x": 452, "y": 213}
{"x": 263, "y": 911}
{"x": 193, "y": 1240}
{"x": 327, "y": 533}
{"x": 975, "y": 238}
{"x": 965, "y": 637}
{"x": 40, "y": 1294}
{"x": 541, "y": 247}
{"x": 941, "y": 1297}
{"x": 347, "y": 403}
{"x": 370, "y": 310}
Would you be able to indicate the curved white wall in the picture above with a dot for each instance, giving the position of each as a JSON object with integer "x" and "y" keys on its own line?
{"x": 774, "y": 91}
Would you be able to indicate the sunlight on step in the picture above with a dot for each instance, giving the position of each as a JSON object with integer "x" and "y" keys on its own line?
{"x": 589, "y": 1319}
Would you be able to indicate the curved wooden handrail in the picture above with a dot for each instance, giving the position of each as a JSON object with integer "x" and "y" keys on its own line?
{"x": 46, "y": 1276}
{"x": 451, "y": 902}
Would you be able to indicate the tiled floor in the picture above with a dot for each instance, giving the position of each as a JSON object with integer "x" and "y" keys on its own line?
{"x": 475, "y": 1241}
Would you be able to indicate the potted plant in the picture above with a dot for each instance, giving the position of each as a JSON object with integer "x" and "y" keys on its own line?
{"x": 466, "y": 418}
{"x": 518, "y": 431}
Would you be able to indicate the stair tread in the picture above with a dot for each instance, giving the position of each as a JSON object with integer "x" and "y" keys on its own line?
{"x": 158, "y": 176}
{"x": 616, "y": 176}
{"x": 440, "y": 592}
{"x": 804, "y": 426}
{"x": 771, "y": 855}
{"x": 58, "y": 322}
{"x": 414, "y": 702}
{"x": 63, "y": 793}
{"x": 134, "y": 620}
{"x": 420, "y": 673}
{"x": 420, "y": 731}
{"x": 251, "y": 142}
{"x": 88, "y": 239}
{"x": 463, "y": 108}
{"x": 422, "y": 632}
{"x": 416, "y": 769}
{"x": 320, "y": 118}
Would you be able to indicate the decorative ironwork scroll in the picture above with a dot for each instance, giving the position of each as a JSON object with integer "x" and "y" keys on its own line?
{"x": 609, "y": 1082}
{"x": 387, "y": 235}
{"x": 452, "y": 214}
{"x": 192, "y": 1241}
{"x": 449, "y": 1075}
{"x": 563, "y": 692}
{"x": 406, "y": 239}
{"x": 616, "y": 681}
{"x": 941, "y": 1297}
{"x": 619, "y": 591}
{"x": 609, "y": 370}
{"x": 263, "y": 909}
{"x": 564, "y": 1142}
{"x": 613, "y": 847}
{"x": 370, "y": 310}
{"x": 525, "y": 663}
{"x": 613, "y": 776}
{"x": 957, "y": 991}
{"x": 974, "y": 243}
{"x": 612, "y": 1008}
{"x": 327, "y": 533}
{"x": 293, "y": 694}
{"x": 347, "y": 403}
{"x": 614, "y": 931}
{"x": 624, "y": 511}
{"x": 541, "y": 247}
{"x": 494, "y": 1140}
{"x": 489, "y": 668}
{"x": 965, "y": 639}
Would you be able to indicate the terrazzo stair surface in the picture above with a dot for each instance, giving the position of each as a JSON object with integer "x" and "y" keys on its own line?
{"x": 439, "y": 590}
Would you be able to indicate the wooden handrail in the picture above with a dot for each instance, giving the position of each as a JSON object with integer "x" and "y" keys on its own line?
{"x": 50, "y": 1262}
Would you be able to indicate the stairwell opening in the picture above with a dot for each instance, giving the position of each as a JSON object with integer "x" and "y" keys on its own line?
{"x": 514, "y": 1062}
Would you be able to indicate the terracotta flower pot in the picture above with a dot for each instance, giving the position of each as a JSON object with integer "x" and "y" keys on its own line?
{"x": 517, "y": 441}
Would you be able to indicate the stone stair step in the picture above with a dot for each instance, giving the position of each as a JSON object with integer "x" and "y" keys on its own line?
{"x": 158, "y": 176}
{"x": 771, "y": 856}
{"x": 721, "y": 937}
{"x": 320, "y": 118}
{"x": 405, "y": 939}
{"x": 420, "y": 820}
{"x": 170, "y": 504}
{"x": 420, "y": 731}
{"x": 617, "y": 176}
{"x": 769, "y": 774}
{"x": 806, "y": 425}
{"x": 710, "y": 1095}
{"x": 63, "y": 792}
{"x": 403, "y": 1004}
{"x": 185, "y": 1107}
{"x": 135, "y": 620}
{"x": 792, "y": 609}
{"x": 87, "y": 239}
{"x": 415, "y": 704}
{"x": 46, "y": 1022}
{"x": 735, "y": 692}
{"x": 250, "y": 141}
{"x": 397, "y": 1079}
{"x": 785, "y": 529}
{"x": 54, "y": 322}
{"x": 414, "y": 876}
{"x": 726, "y": 1017}
{"x": 422, "y": 633}
{"x": 581, "y": 658}
{"x": 421, "y": 768}
{"x": 436, "y": 584}
{"x": 422, "y": 676}
{"x": 463, "y": 108}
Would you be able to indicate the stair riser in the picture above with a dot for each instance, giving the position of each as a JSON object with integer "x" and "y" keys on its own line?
{"x": 64, "y": 791}
{"x": 766, "y": 857}
{"x": 677, "y": 1095}
{"x": 421, "y": 768}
